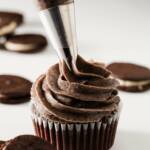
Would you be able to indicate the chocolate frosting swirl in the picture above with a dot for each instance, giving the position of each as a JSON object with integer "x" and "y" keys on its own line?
{"x": 87, "y": 95}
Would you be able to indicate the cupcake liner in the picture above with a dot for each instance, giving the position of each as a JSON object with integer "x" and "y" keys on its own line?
{"x": 88, "y": 136}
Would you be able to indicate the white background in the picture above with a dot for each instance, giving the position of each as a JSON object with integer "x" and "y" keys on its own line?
{"x": 108, "y": 30}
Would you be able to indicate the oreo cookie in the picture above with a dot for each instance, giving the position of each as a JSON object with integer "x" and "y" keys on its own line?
{"x": 9, "y": 21}
{"x": 132, "y": 77}
{"x": 27, "y": 142}
{"x": 26, "y": 43}
{"x": 14, "y": 89}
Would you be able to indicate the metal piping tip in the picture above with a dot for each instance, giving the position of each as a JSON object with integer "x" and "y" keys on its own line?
{"x": 59, "y": 22}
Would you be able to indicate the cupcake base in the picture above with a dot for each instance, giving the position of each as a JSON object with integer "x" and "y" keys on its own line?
{"x": 90, "y": 136}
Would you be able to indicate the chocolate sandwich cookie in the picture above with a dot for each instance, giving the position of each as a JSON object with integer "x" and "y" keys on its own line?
{"x": 14, "y": 89}
{"x": 9, "y": 22}
{"x": 26, "y": 43}
{"x": 27, "y": 142}
{"x": 132, "y": 77}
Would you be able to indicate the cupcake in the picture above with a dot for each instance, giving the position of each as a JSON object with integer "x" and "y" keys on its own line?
{"x": 76, "y": 111}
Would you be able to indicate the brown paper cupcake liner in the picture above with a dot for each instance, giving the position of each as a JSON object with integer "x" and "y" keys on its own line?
{"x": 88, "y": 136}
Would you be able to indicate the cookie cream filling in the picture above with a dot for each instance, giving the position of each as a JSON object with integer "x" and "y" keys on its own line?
{"x": 133, "y": 83}
{"x": 19, "y": 47}
{"x": 8, "y": 28}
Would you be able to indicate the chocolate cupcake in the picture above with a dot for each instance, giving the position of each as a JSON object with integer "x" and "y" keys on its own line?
{"x": 76, "y": 111}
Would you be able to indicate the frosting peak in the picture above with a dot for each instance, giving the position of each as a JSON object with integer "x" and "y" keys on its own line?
{"x": 84, "y": 96}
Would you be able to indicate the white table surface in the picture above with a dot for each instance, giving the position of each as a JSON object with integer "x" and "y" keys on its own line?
{"x": 107, "y": 31}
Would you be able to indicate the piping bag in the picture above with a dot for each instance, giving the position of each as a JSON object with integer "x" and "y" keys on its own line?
{"x": 58, "y": 18}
